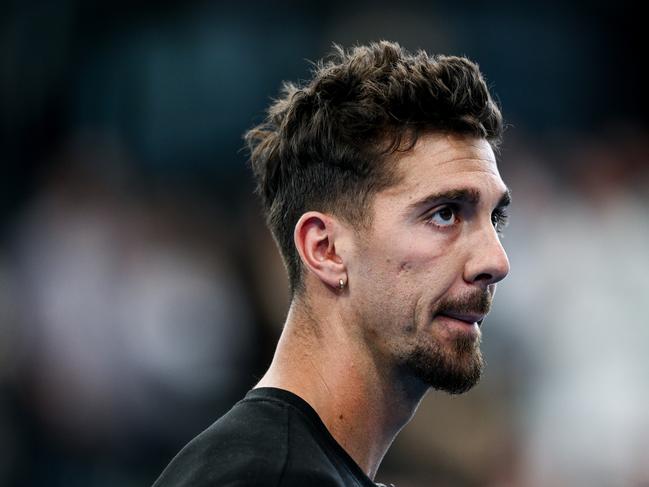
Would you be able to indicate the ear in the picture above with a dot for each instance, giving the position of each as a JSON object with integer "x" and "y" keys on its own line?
{"x": 315, "y": 238}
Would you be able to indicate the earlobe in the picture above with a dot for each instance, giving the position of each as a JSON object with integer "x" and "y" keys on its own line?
{"x": 315, "y": 239}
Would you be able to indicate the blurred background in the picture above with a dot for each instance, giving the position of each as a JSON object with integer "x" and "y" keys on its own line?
{"x": 141, "y": 295}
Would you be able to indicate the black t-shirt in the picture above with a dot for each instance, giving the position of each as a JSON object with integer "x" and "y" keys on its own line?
{"x": 271, "y": 438}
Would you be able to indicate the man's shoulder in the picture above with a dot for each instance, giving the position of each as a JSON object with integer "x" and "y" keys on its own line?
{"x": 252, "y": 424}
{"x": 269, "y": 439}
{"x": 246, "y": 446}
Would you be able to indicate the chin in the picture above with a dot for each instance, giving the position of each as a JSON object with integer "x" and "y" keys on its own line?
{"x": 453, "y": 367}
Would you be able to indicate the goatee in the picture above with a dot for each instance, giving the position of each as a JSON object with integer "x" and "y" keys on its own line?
{"x": 456, "y": 364}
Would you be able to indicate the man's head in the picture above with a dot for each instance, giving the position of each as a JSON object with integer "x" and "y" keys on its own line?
{"x": 381, "y": 169}
{"x": 326, "y": 145}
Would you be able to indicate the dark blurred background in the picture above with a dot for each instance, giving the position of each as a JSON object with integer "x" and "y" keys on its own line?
{"x": 141, "y": 295}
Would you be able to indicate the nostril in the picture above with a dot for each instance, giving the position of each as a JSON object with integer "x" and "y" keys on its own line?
{"x": 484, "y": 277}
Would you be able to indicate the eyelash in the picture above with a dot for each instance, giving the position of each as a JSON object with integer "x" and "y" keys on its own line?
{"x": 499, "y": 218}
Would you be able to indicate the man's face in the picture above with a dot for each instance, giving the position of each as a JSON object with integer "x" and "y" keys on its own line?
{"x": 424, "y": 275}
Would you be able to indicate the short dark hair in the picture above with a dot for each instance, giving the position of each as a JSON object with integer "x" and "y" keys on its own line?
{"x": 324, "y": 144}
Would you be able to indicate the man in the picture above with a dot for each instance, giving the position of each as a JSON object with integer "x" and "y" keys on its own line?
{"x": 380, "y": 186}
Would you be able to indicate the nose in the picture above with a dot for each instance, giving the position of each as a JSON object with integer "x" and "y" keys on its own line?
{"x": 488, "y": 262}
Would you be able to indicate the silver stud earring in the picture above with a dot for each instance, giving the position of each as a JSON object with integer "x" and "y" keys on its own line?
{"x": 341, "y": 284}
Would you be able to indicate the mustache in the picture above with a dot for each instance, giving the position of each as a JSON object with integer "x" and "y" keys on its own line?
{"x": 478, "y": 302}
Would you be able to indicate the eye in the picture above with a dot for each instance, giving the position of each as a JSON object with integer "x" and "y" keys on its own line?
{"x": 445, "y": 216}
{"x": 499, "y": 219}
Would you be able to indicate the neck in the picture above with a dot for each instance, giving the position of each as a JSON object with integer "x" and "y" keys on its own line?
{"x": 362, "y": 401}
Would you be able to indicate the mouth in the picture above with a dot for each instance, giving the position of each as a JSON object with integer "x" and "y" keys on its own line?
{"x": 468, "y": 318}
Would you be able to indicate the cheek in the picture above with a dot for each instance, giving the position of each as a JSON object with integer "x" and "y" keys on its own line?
{"x": 430, "y": 269}
{"x": 418, "y": 259}
{"x": 407, "y": 261}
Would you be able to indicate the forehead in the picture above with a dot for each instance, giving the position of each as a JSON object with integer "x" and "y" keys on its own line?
{"x": 446, "y": 162}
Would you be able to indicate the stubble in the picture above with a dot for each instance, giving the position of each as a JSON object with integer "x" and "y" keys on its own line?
{"x": 454, "y": 363}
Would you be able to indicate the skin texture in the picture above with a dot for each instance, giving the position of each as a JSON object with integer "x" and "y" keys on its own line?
{"x": 363, "y": 357}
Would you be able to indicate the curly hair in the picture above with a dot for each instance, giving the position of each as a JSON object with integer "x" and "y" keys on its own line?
{"x": 325, "y": 144}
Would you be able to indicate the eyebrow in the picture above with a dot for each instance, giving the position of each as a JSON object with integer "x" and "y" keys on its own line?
{"x": 462, "y": 195}
{"x": 505, "y": 199}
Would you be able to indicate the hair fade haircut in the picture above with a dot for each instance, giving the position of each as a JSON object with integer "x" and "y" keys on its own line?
{"x": 325, "y": 144}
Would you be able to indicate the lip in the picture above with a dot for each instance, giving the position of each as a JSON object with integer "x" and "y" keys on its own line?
{"x": 468, "y": 318}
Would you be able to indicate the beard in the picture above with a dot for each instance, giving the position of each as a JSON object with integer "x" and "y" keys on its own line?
{"x": 452, "y": 367}
{"x": 455, "y": 364}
